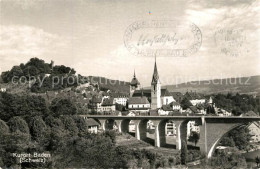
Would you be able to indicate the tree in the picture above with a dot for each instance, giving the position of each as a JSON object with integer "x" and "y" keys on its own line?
{"x": 62, "y": 107}
{"x": 241, "y": 137}
{"x": 70, "y": 125}
{"x": 183, "y": 152}
{"x": 257, "y": 161}
{"x": 194, "y": 137}
{"x": 185, "y": 103}
{"x": 228, "y": 160}
{"x": 39, "y": 130}
{"x": 31, "y": 71}
{"x": 18, "y": 124}
{"x": 227, "y": 141}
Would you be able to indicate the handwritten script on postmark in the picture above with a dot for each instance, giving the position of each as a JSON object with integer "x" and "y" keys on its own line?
{"x": 231, "y": 42}
{"x": 163, "y": 38}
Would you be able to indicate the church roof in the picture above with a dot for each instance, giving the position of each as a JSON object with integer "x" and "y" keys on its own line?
{"x": 155, "y": 78}
{"x": 134, "y": 81}
{"x": 165, "y": 92}
{"x": 144, "y": 92}
{"x": 147, "y": 93}
{"x": 138, "y": 100}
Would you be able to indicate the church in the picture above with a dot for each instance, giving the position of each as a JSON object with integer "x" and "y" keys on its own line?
{"x": 156, "y": 96}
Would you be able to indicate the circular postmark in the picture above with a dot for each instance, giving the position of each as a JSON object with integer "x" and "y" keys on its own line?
{"x": 231, "y": 42}
{"x": 163, "y": 38}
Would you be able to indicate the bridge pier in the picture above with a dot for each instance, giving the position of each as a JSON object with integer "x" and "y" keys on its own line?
{"x": 202, "y": 143}
{"x": 123, "y": 125}
{"x": 140, "y": 129}
{"x": 106, "y": 124}
{"x": 102, "y": 124}
{"x": 159, "y": 134}
{"x": 179, "y": 133}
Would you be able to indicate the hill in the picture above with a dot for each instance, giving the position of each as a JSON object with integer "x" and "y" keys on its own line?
{"x": 245, "y": 85}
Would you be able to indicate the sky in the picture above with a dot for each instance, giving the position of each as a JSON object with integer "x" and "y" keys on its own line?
{"x": 90, "y": 37}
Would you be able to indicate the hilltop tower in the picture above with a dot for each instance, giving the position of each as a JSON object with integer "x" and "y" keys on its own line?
{"x": 155, "y": 89}
{"x": 134, "y": 85}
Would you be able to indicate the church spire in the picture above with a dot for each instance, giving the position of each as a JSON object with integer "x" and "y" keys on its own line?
{"x": 134, "y": 73}
{"x": 155, "y": 74}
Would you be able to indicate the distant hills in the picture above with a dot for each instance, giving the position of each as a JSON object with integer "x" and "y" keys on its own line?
{"x": 244, "y": 85}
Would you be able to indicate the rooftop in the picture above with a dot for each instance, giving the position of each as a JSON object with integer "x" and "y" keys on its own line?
{"x": 138, "y": 100}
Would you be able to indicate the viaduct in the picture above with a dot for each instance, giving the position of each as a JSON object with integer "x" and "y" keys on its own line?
{"x": 212, "y": 128}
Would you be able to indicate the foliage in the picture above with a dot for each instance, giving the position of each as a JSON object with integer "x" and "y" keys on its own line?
{"x": 228, "y": 160}
{"x": 120, "y": 107}
{"x": 210, "y": 110}
{"x": 184, "y": 153}
{"x": 237, "y": 104}
{"x": 36, "y": 69}
{"x": 70, "y": 125}
{"x": 257, "y": 161}
{"x": 26, "y": 106}
{"x": 62, "y": 107}
{"x": 241, "y": 137}
{"x": 194, "y": 137}
{"x": 185, "y": 103}
{"x": 18, "y": 124}
{"x": 39, "y": 130}
{"x": 227, "y": 141}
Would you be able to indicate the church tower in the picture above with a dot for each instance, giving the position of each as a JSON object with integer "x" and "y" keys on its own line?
{"x": 155, "y": 89}
{"x": 134, "y": 85}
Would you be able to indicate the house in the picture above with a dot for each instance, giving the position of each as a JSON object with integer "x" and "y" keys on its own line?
{"x": 165, "y": 110}
{"x": 223, "y": 113}
{"x": 95, "y": 104}
{"x": 107, "y": 105}
{"x": 254, "y": 129}
{"x": 120, "y": 98}
{"x": 139, "y": 105}
{"x": 93, "y": 125}
{"x": 201, "y": 109}
{"x": 170, "y": 128}
{"x": 192, "y": 110}
{"x": 195, "y": 98}
{"x": 166, "y": 97}
{"x": 192, "y": 127}
{"x": 3, "y": 89}
{"x": 175, "y": 106}
{"x": 131, "y": 114}
{"x": 131, "y": 126}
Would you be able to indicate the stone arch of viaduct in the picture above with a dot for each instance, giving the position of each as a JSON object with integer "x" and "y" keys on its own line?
{"x": 212, "y": 129}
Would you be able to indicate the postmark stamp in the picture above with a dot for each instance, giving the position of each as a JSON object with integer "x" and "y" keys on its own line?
{"x": 163, "y": 38}
{"x": 231, "y": 42}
